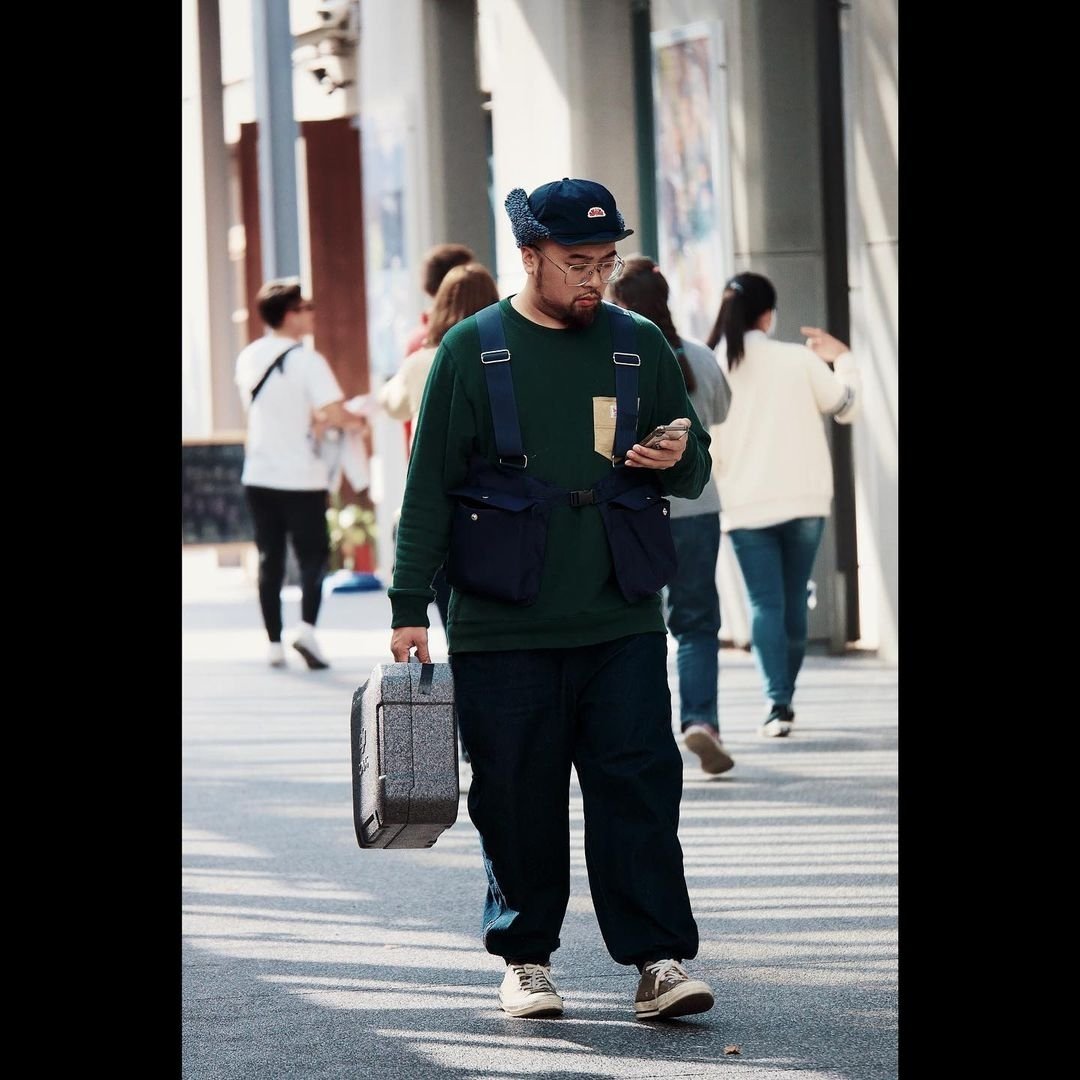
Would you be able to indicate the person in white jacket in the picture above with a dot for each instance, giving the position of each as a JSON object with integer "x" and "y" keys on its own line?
{"x": 774, "y": 471}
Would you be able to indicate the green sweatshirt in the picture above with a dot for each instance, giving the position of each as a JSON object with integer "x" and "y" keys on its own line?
{"x": 564, "y": 385}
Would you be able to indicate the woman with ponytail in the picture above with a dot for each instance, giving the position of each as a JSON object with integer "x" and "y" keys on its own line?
{"x": 774, "y": 471}
{"x": 693, "y": 605}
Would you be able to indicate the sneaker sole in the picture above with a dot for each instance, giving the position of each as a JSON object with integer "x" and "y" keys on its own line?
{"x": 777, "y": 730}
{"x": 546, "y": 1005}
{"x": 713, "y": 759}
{"x": 311, "y": 659}
{"x": 692, "y": 997}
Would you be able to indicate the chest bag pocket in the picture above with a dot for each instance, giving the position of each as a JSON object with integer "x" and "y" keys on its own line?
{"x": 638, "y": 526}
{"x": 497, "y": 542}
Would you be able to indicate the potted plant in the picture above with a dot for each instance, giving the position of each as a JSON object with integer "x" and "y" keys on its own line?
{"x": 352, "y": 536}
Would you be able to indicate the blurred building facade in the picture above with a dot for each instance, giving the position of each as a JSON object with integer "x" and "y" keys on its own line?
{"x": 339, "y": 141}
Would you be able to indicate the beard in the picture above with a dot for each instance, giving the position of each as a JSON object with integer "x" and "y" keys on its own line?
{"x": 578, "y": 318}
{"x": 575, "y": 317}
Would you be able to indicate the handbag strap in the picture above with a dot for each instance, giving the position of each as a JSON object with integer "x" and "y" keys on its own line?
{"x": 495, "y": 357}
{"x": 278, "y": 363}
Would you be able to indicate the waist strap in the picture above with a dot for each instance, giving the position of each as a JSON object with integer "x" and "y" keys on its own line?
{"x": 483, "y": 475}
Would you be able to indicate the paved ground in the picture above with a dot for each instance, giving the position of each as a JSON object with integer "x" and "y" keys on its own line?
{"x": 307, "y": 957}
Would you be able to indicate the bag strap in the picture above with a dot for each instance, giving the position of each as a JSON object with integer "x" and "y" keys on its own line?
{"x": 278, "y": 363}
{"x": 495, "y": 357}
{"x": 627, "y": 365}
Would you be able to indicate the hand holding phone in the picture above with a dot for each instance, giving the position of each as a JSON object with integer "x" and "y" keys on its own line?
{"x": 671, "y": 432}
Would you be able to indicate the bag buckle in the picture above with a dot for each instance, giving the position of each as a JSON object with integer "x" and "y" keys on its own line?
{"x": 634, "y": 361}
{"x": 522, "y": 461}
{"x": 502, "y": 356}
{"x": 585, "y": 497}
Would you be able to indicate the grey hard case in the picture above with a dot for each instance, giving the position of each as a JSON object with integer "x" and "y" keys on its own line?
{"x": 404, "y": 756}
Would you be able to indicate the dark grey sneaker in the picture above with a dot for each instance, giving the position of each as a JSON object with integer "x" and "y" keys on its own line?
{"x": 666, "y": 990}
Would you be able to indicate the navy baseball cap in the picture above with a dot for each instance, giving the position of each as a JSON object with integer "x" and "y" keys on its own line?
{"x": 567, "y": 211}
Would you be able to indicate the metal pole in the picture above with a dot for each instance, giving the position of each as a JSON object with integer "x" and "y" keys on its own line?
{"x": 272, "y": 47}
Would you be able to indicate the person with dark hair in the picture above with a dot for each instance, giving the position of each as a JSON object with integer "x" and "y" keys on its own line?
{"x": 464, "y": 290}
{"x": 289, "y": 394}
{"x": 529, "y": 471}
{"x": 774, "y": 471}
{"x": 438, "y": 262}
{"x": 693, "y": 604}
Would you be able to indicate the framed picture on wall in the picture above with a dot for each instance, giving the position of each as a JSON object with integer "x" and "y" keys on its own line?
{"x": 390, "y": 287}
{"x": 693, "y": 177}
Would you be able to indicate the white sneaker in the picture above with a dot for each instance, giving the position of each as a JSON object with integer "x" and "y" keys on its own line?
{"x": 528, "y": 990}
{"x": 778, "y": 722}
{"x": 306, "y": 645}
{"x": 276, "y": 655}
{"x": 704, "y": 741}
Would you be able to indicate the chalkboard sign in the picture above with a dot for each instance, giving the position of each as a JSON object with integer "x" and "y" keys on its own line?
{"x": 213, "y": 498}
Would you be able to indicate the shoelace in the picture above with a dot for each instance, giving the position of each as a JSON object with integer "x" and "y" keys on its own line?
{"x": 533, "y": 978}
{"x": 667, "y": 969}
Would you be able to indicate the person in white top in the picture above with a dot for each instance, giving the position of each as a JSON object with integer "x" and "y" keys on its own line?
{"x": 692, "y": 602}
{"x": 291, "y": 396}
{"x": 774, "y": 471}
{"x": 464, "y": 290}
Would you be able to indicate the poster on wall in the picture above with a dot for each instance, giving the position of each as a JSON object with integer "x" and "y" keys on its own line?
{"x": 693, "y": 182}
{"x": 389, "y": 283}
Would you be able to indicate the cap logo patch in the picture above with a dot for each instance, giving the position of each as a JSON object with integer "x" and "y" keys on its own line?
{"x": 595, "y": 211}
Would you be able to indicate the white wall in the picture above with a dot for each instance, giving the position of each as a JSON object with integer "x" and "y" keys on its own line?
{"x": 196, "y": 411}
{"x": 871, "y": 80}
{"x": 237, "y": 66}
{"x": 561, "y": 83}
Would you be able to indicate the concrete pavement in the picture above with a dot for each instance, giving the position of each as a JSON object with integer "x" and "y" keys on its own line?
{"x": 305, "y": 956}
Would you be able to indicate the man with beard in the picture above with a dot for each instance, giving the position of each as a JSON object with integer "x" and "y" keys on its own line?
{"x": 577, "y": 675}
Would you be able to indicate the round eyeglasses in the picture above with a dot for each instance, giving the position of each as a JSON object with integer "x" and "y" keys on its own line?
{"x": 581, "y": 273}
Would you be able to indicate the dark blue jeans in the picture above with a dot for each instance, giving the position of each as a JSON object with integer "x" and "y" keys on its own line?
{"x": 694, "y": 617}
{"x": 525, "y": 717}
{"x": 776, "y": 564}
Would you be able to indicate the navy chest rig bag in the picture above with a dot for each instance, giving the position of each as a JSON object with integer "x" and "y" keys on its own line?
{"x": 500, "y": 523}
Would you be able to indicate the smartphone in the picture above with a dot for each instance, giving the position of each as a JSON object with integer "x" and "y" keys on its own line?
{"x": 664, "y": 431}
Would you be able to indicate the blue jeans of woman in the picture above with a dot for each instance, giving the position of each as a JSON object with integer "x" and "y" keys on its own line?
{"x": 526, "y": 716}
{"x": 776, "y": 563}
{"x": 694, "y": 617}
